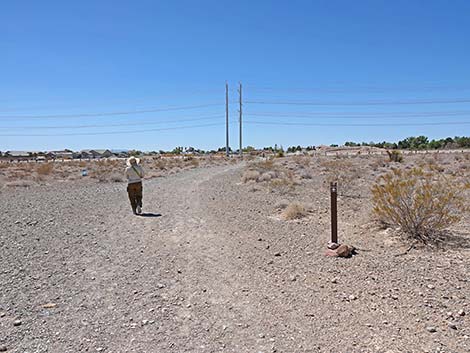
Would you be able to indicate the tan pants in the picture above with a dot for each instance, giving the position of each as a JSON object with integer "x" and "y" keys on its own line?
{"x": 134, "y": 191}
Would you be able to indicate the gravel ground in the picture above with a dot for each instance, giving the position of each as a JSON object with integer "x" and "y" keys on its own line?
{"x": 211, "y": 268}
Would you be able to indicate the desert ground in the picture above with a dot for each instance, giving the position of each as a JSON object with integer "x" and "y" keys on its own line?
{"x": 227, "y": 257}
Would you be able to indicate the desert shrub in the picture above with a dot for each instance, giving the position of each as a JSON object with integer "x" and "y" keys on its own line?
{"x": 422, "y": 203}
{"x": 45, "y": 169}
{"x": 267, "y": 176}
{"x": 305, "y": 174}
{"x": 268, "y": 164}
{"x": 284, "y": 185}
{"x": 395, "y": 156}
{"x": 194, "y": 163}
{"x": 294, "y": 211}
{"x": 302, "y": 160}
{"x": 250, "y": 175}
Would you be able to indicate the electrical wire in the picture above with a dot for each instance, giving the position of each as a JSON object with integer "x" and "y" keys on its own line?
{"x": 355, "y": 89}
{"x": 359, "y": 124}
{"x": 377, "y": 102}
{"x": 130, "y": 112}
{"x": 134, "y": 123}
{"x": 108, "y": 101}
{"x": 114, "y": 132}
{"x": 365, "y": 115}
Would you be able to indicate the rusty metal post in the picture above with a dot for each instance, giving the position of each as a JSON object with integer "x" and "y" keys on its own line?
{"x": 334, "y": 212}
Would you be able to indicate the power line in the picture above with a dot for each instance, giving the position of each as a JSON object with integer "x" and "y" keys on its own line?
{"x": 130, "y": 112}
{"x": 377, "y": 102}
{"x": 115, "y": 100}
{"x": 135, "y": 123}
{"x": 114, "y": 132}
{"x": 365, "y": 115}
{"x": 359, "y": 88}
{"x": 351, "y": 125}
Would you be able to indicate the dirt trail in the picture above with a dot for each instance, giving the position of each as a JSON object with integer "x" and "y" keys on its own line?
{"x": 207, "y": 269}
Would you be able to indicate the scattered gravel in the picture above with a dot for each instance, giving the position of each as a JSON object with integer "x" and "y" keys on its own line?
{"x": 201, "y": 271}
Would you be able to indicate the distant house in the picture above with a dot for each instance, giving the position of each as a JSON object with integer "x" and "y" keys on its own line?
{"x": 85, "y": 154}
{"x": 63, "y": 154}
{"x": 105, "y": 153}
{"x": 18, "y": 155}
{"x": 122, "y": 154}
{"x": 92, "y": 154}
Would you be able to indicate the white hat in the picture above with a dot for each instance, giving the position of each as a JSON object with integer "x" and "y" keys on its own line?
{"x": 132, "y": 160}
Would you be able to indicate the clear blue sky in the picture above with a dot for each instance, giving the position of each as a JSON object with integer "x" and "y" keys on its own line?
{"x": 66, "y": 58}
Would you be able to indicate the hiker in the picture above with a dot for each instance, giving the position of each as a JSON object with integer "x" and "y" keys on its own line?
{"x": 134, "y": 174}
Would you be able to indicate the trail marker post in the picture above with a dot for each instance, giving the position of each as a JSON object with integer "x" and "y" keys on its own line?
{"x": 240, "y": 111}
{"x": 334, "y": 212}
{"x": 227, "y": 147}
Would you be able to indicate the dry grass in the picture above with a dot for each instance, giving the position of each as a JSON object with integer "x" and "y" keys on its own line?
{"x": 294, "y": 211}
{"x": 45, "y": 169}
{"x": 267, "y": 171}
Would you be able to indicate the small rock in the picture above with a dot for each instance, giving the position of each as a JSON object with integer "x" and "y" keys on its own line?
{"x": 3, "y": 349}
{"x": 452, "y": 326}
{"x": 431, "y": 329}
{"x": 430, "y": 286}
{"x": 145, "y": 322}
{"x": 461, "y": 312}
{"x": 2, "y": 314}
{"x": 277, "y": 254}
{"x": 334, "y": 280}
{"x": 17, "y": 323}
{"x": 293, "y": 278}
{"x": 352, "y": 297}
{"x": 160, "y": 285}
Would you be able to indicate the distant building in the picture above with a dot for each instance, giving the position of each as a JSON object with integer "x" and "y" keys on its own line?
{"x": 18, "y": 155}
{"x": 63, "y": 154}
{"x": 92, "y": 154}
{"x": 104, "y": 153}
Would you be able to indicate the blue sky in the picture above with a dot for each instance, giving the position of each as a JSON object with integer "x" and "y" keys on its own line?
{"x": 62, "y": 59}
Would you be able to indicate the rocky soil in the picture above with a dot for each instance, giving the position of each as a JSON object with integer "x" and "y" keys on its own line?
{"x": 211, "y": 267}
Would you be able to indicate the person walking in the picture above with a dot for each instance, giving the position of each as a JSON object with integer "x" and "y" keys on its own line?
{"x": 134, "y": 174}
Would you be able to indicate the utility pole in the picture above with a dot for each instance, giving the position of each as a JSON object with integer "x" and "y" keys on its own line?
{"x": 227, "y": 148}
{"x": 241, "y": 145}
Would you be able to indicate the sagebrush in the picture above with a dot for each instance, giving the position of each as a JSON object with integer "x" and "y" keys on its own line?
{"x": 423, "y": 203}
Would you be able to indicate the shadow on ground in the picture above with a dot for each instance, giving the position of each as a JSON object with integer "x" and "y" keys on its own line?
{"x": 454, "y": 240}
{"x": 150, "y": 215}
